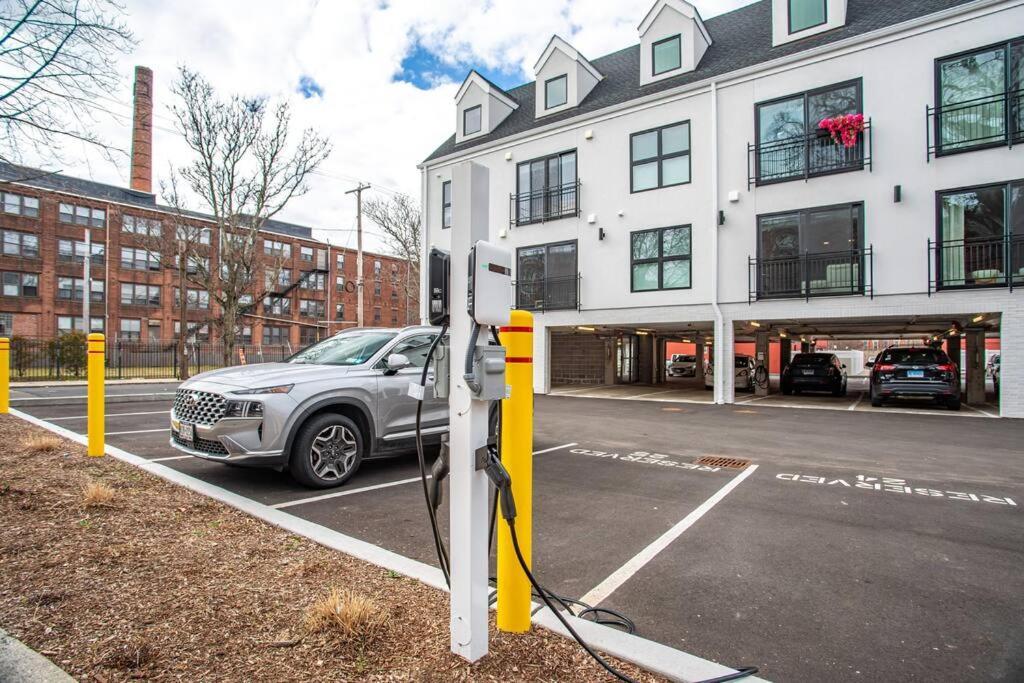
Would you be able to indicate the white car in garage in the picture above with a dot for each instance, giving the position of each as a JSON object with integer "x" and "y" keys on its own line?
{"x": 682, "y": 365}
{"x": 744, "y": 369}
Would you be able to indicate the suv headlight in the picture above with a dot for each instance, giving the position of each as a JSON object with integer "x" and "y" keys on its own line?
{"x": 279, "y": 389}
{"x": 243, "y": 409}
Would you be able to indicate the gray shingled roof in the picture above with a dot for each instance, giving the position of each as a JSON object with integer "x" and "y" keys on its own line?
{"x": 740, "y": 39}
{"x": 34, "y": 177}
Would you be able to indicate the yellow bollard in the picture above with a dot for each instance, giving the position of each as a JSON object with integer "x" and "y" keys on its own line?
{"x": 5, "y": 375}
{"x": 517, "y": 457}
{"x": 95, "y": 372}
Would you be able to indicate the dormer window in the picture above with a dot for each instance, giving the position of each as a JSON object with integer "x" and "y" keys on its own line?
{"x": 556, "y": 91}
{"x": 472, "y": 120}
{"x": 805, "y": 14}
{"x": 666, "y": 55}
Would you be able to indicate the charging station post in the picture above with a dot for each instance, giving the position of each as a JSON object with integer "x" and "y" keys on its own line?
{"x": 468, "y": 486}
{"x": 517, "y": 457}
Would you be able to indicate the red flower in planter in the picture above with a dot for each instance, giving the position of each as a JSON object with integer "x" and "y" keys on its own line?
{"x": 844, "y": 128}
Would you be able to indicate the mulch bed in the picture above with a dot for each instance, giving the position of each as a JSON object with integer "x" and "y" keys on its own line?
{"x": 164, "y": 584}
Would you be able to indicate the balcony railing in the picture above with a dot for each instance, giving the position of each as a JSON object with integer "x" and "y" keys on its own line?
{"x": 834, "y": 273}
{"x": 806, "y": 156}
{"x": 991, "y": 121}
{"x": 549, "y": 294}
{"x": 545, "y": 204}
{"x": 976, "y": 262}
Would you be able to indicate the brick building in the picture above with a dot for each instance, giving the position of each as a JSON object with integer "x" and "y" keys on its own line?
{"x": 44, "y": 219}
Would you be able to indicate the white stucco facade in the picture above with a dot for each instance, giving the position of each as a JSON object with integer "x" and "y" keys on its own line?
{"x": 895, "y": 67}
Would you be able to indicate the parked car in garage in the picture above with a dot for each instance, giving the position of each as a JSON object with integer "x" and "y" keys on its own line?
{"x": 320, "y": 413}
{"x": 994, "y": 366}
{"x": 682, "y": 365}
{"x": 814, "y": 372}
{"x": 915, "y": 373}
{"x": 744, "y": 369}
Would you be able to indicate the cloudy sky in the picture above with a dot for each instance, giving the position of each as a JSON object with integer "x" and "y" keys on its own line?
{"x": 376, "y": 76}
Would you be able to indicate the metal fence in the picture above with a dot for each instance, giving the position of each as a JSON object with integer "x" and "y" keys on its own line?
{"x": 64, "y": 358}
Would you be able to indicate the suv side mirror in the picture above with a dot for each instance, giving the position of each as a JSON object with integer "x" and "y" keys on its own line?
{"x": 396, "y": 362}
{"x": 869, "y": 364}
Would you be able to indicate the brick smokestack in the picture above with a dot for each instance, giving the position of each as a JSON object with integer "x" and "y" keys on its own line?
{"x": 142, "y": 131}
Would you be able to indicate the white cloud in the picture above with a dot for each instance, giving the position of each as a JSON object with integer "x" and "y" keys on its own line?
{"x": 380, "y": 128}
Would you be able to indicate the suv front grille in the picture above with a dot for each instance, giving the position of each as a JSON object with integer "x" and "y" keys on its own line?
{"x": 199, "y": 407}
{"x": 204, "y": 445}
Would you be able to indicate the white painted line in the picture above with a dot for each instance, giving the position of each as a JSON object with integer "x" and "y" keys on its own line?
{"x": 661, "y": 659}
{"x": 82, "y": 417}
{"x": 752, "y": 399}
{"x": 173, "y": 457}
{"x": 83, "y": 397}
{"x": 601, "y": 592}
{"x": 140, "y": 431}
{"x": 853, "y": 406}
{"x": 979, "y": 410}
{"x": 560, "y": 392}
{"x": 348, "y": 492}
{"x": 653, "y": 393}
{"x": 555, "y": 448}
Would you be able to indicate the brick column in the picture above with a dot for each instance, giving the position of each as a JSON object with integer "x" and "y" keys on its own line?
{"x": 142, "y": 131}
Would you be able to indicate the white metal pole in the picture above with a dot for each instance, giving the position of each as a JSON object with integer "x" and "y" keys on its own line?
{"x": 468, "y": 430}
{"x": 86, "y": 284}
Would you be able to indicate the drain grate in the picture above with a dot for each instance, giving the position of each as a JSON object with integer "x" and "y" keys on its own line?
{"x": 719, "y": 461}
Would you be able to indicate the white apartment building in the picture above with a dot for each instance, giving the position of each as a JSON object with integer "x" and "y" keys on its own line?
{"x": 682, "y": 188}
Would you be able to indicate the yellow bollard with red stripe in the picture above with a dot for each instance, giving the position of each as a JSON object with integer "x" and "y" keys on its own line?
{"x": 5, "y": 375}
{"x": 94, "y": 373}
{"x": 517, "y": 457}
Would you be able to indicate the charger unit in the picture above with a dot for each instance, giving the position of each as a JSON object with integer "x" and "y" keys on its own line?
{"x": 489, "y": 300}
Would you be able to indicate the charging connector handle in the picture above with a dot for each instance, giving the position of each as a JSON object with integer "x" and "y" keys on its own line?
{"x": 499, "y": 476}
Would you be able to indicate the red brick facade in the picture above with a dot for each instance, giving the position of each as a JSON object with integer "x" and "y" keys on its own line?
{"x": 25, "y": 310}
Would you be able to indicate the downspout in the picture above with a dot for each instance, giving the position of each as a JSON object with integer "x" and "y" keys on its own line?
{"x": 716, "y": 351}
{"x": 424, "y": 243}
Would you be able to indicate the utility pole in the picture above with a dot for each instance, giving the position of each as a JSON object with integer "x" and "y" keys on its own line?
{"x": 358, "y": 192}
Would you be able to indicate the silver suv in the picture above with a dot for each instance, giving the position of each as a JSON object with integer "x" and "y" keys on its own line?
{"x": 320, "y": 413}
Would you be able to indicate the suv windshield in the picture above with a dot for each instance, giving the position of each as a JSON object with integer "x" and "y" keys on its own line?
{"x": 348, "y": 348}
{"x": 818, "y": 359}
{"x": 914, "y": 356}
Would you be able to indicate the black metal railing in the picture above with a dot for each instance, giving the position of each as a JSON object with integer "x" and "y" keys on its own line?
{"x": 976, "y": 262}
{"x": 990, "y": 121}
{"x": 545, "y": 204}
{"x": 834, "y": 273}
{"x": 64, "y": 357}
{"x": 549, "y": 294}
{"x": 806, "y": 156}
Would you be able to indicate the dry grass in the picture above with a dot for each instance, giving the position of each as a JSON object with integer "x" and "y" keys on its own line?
{"x": 177, "y": 587}
{"x": 40, "y": 443}
{"x": 347, "y": 616}
{"x": 96, "y": 494}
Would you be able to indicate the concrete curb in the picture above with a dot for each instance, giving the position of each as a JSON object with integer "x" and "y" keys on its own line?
{"x": 19, "y": 662}
{"x": 673, "y": 664}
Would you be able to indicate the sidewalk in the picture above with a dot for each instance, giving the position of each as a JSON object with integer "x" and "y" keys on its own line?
{"x": 18, "y": 662}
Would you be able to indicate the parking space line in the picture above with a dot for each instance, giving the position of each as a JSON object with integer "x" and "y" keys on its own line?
{"x": 979, "y": 410}
{"x": 349, "y": 492}
{"x": 173, "y": 457}
{"x": 601, "y": 592}
{"x": 853, "y": 406}
{"x": 82, "y": 417}
{"x": 139, "y": 431}
{"x": 653, "y": 393}
{"x": 555, "y": 448}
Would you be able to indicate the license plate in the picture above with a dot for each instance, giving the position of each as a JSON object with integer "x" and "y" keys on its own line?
{"x": 915, "y": 374}
{"x": 808, "y": 372}
{"x": 186, "y": 432}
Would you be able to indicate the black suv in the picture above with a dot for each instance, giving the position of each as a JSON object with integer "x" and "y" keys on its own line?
{"x": 814, "y": 372}
{"x": 915, "y": 372}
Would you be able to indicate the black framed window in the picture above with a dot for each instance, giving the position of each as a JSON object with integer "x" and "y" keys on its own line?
{"x": 20, "y": 284}
{"x": 660, "y": 157}
{"x": 472, "y": 120}
{"x": 660, "y": 259}
{"x": 446, "y": 204}
{"x": 546, "y": 276}
{"x": 791, "y": 145}
{"x": 980, "y": 235}
{"x": 24, "y": 244}
{"x": 979, "y": 97}
{"x": 546, "y": 188}
{"x": 805, "y": 14}
{"x": 666, "y": 54}
{"x": 556, "y": 91}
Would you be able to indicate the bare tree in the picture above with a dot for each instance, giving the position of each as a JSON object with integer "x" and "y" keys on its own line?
{"x": 58, "y": 61}
{"x": 244, "y": 172}
{"x": 401, "y": 226}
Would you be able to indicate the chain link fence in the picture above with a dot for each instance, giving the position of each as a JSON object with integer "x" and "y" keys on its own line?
{"x": 64, "y": 357}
